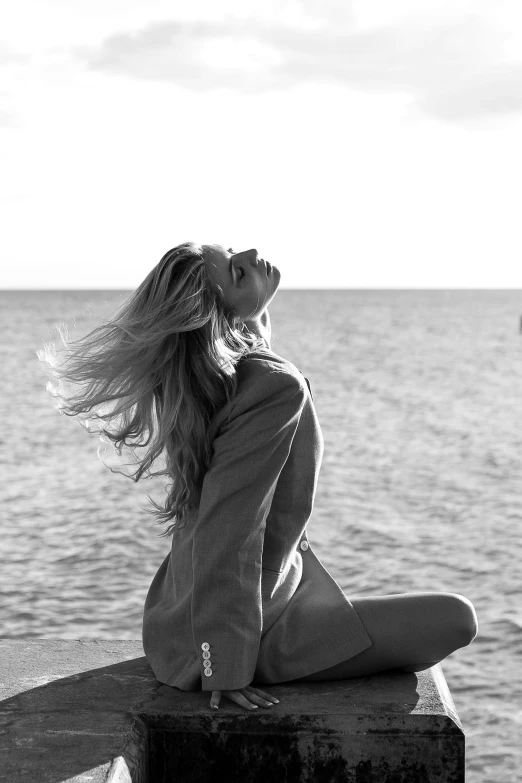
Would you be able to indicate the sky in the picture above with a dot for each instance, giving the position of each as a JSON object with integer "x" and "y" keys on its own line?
{"x": 363, "y": 144}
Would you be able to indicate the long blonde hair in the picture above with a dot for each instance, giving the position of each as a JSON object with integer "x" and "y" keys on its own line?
{"x": 153, "y": 377}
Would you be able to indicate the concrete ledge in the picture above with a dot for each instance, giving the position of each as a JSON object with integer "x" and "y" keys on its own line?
{"x": 91, "y": 710}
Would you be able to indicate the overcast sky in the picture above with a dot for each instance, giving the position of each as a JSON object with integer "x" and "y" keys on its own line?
{"x": 371, "y": 144}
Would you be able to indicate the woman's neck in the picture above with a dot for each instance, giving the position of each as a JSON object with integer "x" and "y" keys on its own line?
{"x": 261, "y": 326}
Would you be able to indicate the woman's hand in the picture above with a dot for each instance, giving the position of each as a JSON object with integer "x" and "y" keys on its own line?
{"x": 250, "y": 698}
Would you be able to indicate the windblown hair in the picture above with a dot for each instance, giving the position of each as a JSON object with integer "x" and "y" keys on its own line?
{"x": 154, "y": 376}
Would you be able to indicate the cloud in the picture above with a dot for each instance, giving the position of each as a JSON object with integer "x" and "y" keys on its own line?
{"x": 9, "y": 59}
{"x": 8, "y": 55}
{"x": 453, "y": 70}
{"x": 492, "y": 92}
{"x": 6, "y": 118}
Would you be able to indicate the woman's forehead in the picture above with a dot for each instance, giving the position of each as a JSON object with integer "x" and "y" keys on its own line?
{"x": 214, "y": 249}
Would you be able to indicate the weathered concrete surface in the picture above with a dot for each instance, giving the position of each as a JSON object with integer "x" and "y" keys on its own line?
{"x": 91, "y": 710}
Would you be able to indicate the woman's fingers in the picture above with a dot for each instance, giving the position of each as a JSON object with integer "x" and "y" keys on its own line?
{"x": 266, "y": 696}
{"x": 241, "y": 699}
{"x": 249, "y": 698}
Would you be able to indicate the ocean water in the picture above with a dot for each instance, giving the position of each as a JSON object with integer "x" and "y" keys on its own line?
{"x": 419, "y": 395}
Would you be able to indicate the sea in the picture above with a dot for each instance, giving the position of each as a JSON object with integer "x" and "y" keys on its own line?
{"x": 419, "y": 397}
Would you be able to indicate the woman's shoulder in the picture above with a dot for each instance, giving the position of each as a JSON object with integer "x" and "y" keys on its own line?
{"x": 262, "y": 362}
{"x": 260, "y": 374}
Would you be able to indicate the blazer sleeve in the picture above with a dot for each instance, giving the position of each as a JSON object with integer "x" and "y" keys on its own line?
{"x": 249, "y": 453}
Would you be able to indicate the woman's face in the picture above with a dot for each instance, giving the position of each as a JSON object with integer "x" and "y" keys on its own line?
{"x": 243, "y": 278}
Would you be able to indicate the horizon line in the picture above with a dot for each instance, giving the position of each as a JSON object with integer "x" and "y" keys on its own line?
{"x": 343, "y": 288}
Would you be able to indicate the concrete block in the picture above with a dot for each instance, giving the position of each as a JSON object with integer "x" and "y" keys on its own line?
{"x": 92, "y": 710}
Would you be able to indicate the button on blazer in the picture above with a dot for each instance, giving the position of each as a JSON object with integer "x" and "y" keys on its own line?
{"x": 241, "y": 596}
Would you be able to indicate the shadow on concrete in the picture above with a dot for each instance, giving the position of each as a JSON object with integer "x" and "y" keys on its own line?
{"x": 77, "y": 725}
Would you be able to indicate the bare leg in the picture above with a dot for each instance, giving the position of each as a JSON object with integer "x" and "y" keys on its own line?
{"x": 409, "y": 631}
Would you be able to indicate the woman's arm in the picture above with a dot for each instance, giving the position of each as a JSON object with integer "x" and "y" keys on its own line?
{"x": 248, "y": 456}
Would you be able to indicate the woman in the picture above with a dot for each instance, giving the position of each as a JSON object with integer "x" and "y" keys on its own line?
{"x": 185, "y": 373}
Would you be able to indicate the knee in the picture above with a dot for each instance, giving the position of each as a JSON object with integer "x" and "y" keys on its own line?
{"x": 464, "y": 618}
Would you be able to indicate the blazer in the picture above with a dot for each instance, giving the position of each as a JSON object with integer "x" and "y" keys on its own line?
{"x": 241, "y": 596}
